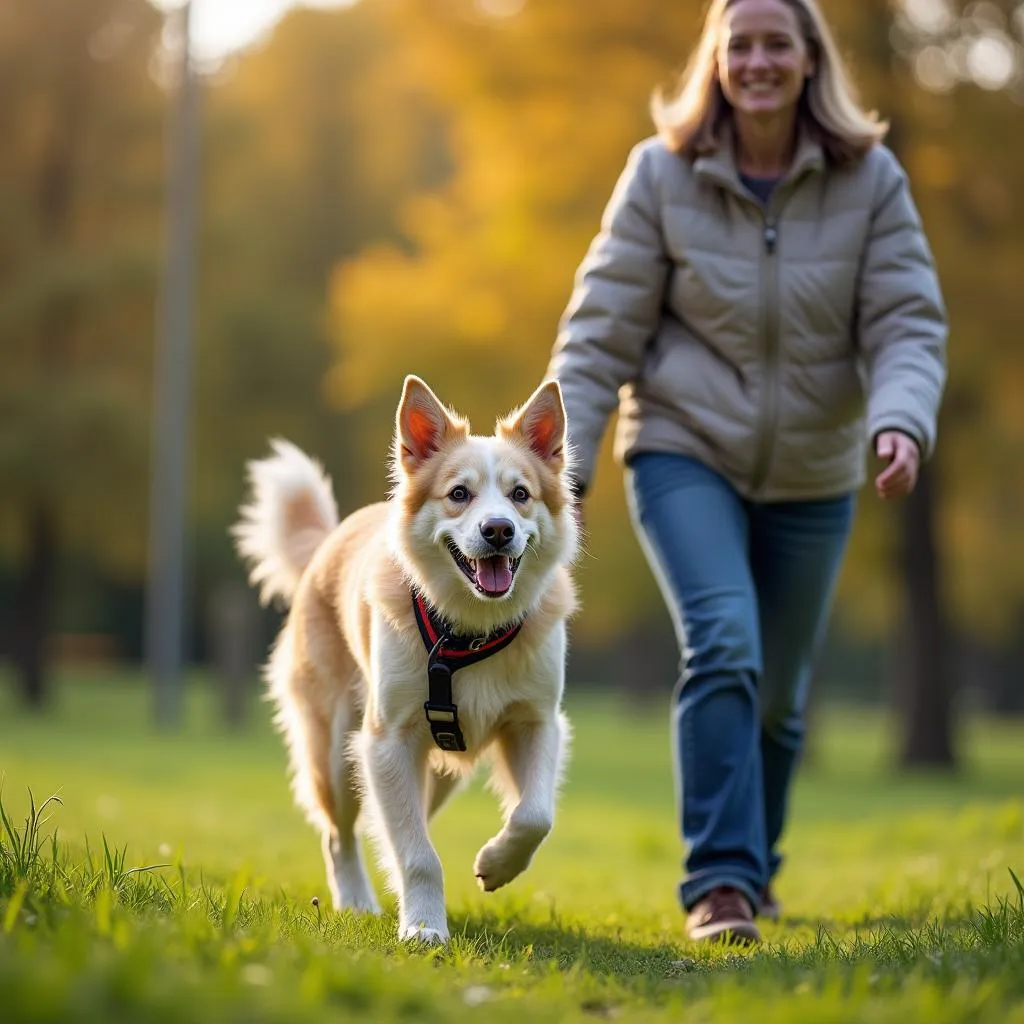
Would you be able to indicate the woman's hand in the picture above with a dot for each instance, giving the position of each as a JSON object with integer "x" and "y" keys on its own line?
{"x": 904, "y": 458}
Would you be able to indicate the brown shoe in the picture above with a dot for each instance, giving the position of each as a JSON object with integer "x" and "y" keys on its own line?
{"x": 771, "y": 908}
{"x": 723, "y": 915}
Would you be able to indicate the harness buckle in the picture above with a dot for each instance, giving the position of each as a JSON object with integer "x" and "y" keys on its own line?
{"x": 441, "y": 711}
{"x": 443, "y": 720}
{"x": 451, "y": 741}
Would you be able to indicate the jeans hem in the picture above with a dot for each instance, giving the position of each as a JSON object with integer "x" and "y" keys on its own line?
{"x": 692, "y": 892}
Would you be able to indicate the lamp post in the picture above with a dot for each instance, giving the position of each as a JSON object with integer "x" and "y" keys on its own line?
{"x": 165, "y": 598}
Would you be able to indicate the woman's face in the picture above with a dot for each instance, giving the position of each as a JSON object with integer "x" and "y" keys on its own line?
{"x": 763, "y": 58}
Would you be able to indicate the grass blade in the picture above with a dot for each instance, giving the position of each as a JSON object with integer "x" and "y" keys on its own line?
{"x": 14, "y": 906}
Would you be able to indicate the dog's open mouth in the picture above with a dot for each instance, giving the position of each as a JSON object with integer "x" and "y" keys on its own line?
{"x": 491, "y": 576}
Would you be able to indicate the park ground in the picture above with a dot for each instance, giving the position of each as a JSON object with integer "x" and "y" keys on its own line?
{"x": 173, "y": 880}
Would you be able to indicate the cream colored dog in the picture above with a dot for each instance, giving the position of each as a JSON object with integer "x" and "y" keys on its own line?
{"x": 469, "y": 557}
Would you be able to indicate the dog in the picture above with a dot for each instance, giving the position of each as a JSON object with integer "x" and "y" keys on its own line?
{"x": 425, "y": 633}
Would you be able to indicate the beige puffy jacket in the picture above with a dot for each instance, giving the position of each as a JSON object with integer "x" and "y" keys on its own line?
{"x": 770, "y": 342}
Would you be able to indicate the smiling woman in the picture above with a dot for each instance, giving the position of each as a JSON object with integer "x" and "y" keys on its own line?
{"x": 764, "y": 63}
{"x": 704, "y": 309}
{"x": 790, "y": 34}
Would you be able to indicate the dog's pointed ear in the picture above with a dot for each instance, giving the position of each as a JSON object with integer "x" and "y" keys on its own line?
{"x": 422, "y": 424}
{"x": 540, "y": 422}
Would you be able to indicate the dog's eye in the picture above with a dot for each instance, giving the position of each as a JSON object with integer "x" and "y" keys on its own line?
{"x": 520, "y": 495}
{"x": 459, "y": 495}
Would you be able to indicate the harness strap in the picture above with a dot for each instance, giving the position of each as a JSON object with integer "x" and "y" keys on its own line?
{"x": 447, "y": 652}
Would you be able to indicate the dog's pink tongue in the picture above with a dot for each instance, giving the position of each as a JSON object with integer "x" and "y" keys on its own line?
{"x": 494, "y": 575}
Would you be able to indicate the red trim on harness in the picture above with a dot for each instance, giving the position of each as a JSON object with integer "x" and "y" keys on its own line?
{"x": 458, "y": 647}
{"x": 424, "y": 617}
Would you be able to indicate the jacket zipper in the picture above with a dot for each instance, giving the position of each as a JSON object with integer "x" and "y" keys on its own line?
{"x": 767, "y": 426}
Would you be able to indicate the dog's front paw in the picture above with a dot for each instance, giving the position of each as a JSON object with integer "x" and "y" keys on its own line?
{"x": 499, "y": 861}
{"x": 423, "y": 936}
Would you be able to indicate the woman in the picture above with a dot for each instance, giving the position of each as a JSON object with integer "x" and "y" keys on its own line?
{"x": 761, "y": 304}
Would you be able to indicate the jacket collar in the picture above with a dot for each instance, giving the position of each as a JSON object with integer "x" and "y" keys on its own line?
{"x": 720, "y": 167}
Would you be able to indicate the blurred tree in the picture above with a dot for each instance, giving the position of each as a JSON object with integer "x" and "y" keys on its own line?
{"x": 545, "y": 101}
{"x": 409, "y": 185}
{"x": 922, "y": 661}
{"x": 79, "y": 198}
{"x": 952, "y": 568}
{"x": 312, "y": 142}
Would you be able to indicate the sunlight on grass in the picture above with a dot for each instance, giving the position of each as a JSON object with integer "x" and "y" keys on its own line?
{"x": 173, "y": 879}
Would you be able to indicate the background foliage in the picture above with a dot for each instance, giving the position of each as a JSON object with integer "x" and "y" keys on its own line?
{"x": 408, "y": 186}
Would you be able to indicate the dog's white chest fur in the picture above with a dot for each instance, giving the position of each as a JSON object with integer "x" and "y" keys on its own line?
{"x": 489, "y": 694}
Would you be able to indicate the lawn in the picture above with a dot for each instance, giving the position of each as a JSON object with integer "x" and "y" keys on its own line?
{"x": 900, "y": 894}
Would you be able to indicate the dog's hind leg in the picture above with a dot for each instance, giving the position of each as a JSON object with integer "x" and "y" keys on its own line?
{"x": 440, "y": 786}
{"x": 343, "y": 857}
{"x": 317, "y": 722}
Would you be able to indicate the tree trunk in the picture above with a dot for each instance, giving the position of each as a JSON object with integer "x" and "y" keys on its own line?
{"x": 924, "y": 650}
{"x": 231, "y": 622}
{"x": 34, "y": 601}
{"x": 927, "y": 671}
{"x": 37, "y": 589}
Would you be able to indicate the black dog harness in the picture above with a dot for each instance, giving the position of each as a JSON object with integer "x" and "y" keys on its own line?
{"x": 447, "y": 652}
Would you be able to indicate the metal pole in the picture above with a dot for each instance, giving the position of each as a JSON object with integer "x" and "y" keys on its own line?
{"x": 165, "y": 618}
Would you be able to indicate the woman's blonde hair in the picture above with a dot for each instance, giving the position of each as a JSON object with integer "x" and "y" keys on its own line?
{"x": 690, "y": 121}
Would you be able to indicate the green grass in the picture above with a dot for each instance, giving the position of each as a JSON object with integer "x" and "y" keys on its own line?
{"x": 174, "y": 880}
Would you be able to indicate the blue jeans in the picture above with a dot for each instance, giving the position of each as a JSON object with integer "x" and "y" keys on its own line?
{"x": 749, "y": 587}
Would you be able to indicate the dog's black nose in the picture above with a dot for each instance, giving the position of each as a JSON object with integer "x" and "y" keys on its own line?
{"x": 497, "y": 532}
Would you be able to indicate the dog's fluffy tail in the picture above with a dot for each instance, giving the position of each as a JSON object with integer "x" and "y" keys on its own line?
{"x": 291, "y": 509}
